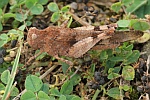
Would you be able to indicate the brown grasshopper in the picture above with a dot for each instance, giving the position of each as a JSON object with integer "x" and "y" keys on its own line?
{"x": 58, "y": 41}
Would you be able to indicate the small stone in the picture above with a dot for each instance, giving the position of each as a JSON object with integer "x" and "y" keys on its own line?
{"x": 140, "y": 89}
{"x": 74, "y": 5}
{"x": 1, "y": 60}
{"x": 12, "y": 54}
{"x": 7, "y": 59}
{"x": 144, "y": 78}
{"x": 13, "y": 43}
{"x": 2, "y": 52}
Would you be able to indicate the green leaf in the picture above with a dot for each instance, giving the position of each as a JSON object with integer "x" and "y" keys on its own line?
{"x": 110, "y": 70}
{"x": 52, "y": 98}
{"x": 30, "y": 3}
{"x": 28, "y": 95}
{"x": 37, "y": 9}
{"x": 128, "y": 72}
{"x": 55, "y": 92}
{"x": 62, "y": 97}
{"x": 43, "y": 96}
{"x": 20, "y": 34}
{"x": 76, "y": 98}
{"x": 125, "y": 87}
{"x": 53, "y": 7}
{"x": 20, "y": 17}
{"x": 14, "y": 34}
{"x": 127, "y": 2}
{"x": 116, "y": 59}
{"x": 143, "y": 10}
{"x": 116, "y": 6}
{"x": 33, "y": 83}
{"x": 123, "y": 23}
{"x": 65, "y": 8}
{"x": 117, "y": 69}
{"x": 72, "y": 97}
{"x": 45, "y": 88}
{"x": 75, "y": 79}
{"x": 125, "y": 44}
{"x": 64, "y": 67}
{"x": 4, "y": 37}
{"x": 110, "y": 64}
{"x": 112, "y": 75}
{"x": 66, "y": 88}
{"x": 28, "y": 23}
{"x": 42, "y": 2}
{"x": 103, "y": 55}
{"x": 3, "y": 3}
{"x": 5, "y": 76}
{"x": 139, "y": 25}
{"x": 2, "y": 66}
{"x": 1, "y": 26}
{"x": 13, "y": 31}
{"x": 132, "y": 58}
{"x": 109, "y": 52}
{"x": 55, "y": 16}
{"x": 1, "y": 12}
{"x": 135, "y": 5}
{"x": 69, "y": 97}
{"x": 14, "y": 92}
{"x": 114, "y": 92}
{"x": 41, "y": 56}
{"x": 126, "y": 54}
{"x": 2, "y": 43}
{"x": 129, "y": 47}
{"x": 15, "y": 24}
{"x": 2, "y": 87}
{"x": 19, "y": 1}
{"x": 22, "y": 27}
{"x": 114, "y": 70}
{"x": 8, "y": 15}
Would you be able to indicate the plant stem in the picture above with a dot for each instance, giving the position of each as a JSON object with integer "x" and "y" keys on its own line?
{"x": 13, "y": 73}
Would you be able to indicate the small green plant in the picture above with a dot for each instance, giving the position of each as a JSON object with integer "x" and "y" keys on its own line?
{"x": 136, "y": 24}
{"x": 35, "y": 86}
{"x": 5, "y": 77}
{"x": 65, "y": 92}
{"x": 59, "y": 15}
{"x": 11, "y": 35}
{"x": 19, "y": 12}
{"x": 138, "y": 7}
{"x": 10, "y": 77}
{"x": 39, "y": 90}
{"x": 117, "y": 66}
{"x": 22, "y": 12}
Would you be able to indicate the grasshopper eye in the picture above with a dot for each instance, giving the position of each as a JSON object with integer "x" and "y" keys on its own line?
{"x": 34, "y": 36}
